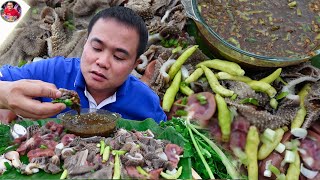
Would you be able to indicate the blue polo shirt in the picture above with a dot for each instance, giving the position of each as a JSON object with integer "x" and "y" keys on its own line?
{"x": 134, "y": 99}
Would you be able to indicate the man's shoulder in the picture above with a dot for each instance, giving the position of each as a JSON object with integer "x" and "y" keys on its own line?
{"x": 138, "y": 86}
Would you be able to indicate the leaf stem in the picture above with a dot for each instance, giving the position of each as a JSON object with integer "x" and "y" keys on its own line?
{"x": 198, "y": 150}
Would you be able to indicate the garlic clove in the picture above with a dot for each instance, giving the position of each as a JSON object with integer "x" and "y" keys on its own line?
{"x": 17, "y": 131}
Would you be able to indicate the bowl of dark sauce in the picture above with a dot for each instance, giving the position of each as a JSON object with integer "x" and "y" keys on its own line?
{"x": 266, "y": 33}
{"x": 90, "y": 122}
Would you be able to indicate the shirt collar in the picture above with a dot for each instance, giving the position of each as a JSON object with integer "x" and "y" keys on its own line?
{"x": 93, "y": 104}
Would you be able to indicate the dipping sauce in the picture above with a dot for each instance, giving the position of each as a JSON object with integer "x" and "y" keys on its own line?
{"x": 99, "y": 123}
{"x": 276, "y": 28}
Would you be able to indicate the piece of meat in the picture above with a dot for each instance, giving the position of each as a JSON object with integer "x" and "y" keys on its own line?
{"x": 48, "y": 137}
{"x": 315, "y": 128}
{"x": 54, "y": 127}
{"x": 67, "y": 139}
{"x": 311, "y": 154}
{"x": 238, "y": 139}
{"x": 275, "y": 158}
{"x": 155, "y": 173}
{"x": 173, "y": 151}
{"x": 40, "y": 153}
{"x": 286, "y": 137}
{"x": 202, "y": 112}
{"x": 148, "y": 73}
{"x": 174, "y": 109}
{"x": 215, "y": 130}
{"x": 240, "y": 124}
{"x": 32, "y": 143}
{"x": 133, "y": 172}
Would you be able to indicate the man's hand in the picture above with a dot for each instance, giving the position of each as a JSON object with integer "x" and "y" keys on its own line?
{"x": 18, "y": 97}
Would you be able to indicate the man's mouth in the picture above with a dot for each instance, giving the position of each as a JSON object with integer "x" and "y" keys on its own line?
{"x": 99, "y": 74}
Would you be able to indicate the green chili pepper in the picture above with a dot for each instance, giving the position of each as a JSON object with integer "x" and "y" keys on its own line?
{"x": 185, "y": 89}
{"x": 117, "y": 163}
{"x": 227, "y": 76}
{"x": 117, "y": 168}
{"x": 179, "y": 62}
{"x": 64, "y": 174}
{"x": 226, "y": 66}
{"x": 171, "y": 92}
{"x": 142, "y": 172}
{"x": 195, "y": 75}
{"x": 224, "y": 117}
{"x": 106, "y": 154}
{"x": 67, "y": 102}
{"x": 263, "y": 87}
{"x": 102, "y": 146}
{"x": 282, "y": 95}
{"x": 302, "y": 112}
{"x": 214, "y": 83}
{"x": 293, "y": 171}
{"x": 267, "y": 148}
{"x": 251, "y": 150}
{"x": 269, "y": 79}
{"x": 172, "y": 176}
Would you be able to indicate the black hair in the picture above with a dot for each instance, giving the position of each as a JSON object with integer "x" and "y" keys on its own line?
{"x": 129, "y": 18}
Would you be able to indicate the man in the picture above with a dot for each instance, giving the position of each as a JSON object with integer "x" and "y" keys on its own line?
{"x": 116, "y": 39}
{"x": 10, "y": 13}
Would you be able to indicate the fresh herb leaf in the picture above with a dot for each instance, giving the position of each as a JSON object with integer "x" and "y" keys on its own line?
{"x": 250, "y": 100}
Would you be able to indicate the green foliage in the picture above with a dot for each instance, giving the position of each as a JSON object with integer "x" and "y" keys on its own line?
{"x": 211, "y": 157}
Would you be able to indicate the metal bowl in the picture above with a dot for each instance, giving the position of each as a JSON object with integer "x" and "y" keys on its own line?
{"x": 90, "y": 122}
{"x": 223, "y": 49}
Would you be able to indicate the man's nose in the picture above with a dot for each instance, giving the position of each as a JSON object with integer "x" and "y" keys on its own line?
{"x": 104, "y": 61}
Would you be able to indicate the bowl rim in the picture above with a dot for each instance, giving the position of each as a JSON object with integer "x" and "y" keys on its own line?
{"x": 200, "y": 19}
{"x": 87, "y": 111}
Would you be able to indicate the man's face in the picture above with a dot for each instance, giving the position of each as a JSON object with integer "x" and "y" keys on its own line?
{"x": 109, "y": 55}
{"x": 10, "y": 5}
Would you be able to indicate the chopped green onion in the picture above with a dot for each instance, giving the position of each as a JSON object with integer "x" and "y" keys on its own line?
{"x": 280, "y": 148}
{"x": 202, "y": 99}
{"x": 289, "y": 157}
{"x": 292, "y": 4}
{"x": 299, "y": 13}
{"x": 269, "y": 134}
{"x": 274, "y": 170}
{"x": 43, "y": 146}
{"x": 273, "y": 103}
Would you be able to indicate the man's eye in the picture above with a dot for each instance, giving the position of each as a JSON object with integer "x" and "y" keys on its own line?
{"x": 96, "y": 49}
{"x": 118, "y": 58}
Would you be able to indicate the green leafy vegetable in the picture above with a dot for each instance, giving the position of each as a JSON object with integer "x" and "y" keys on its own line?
{"x": 210, "y": 156}
{"x": 5, "y": 138}
{"x": 250, "y": 100}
